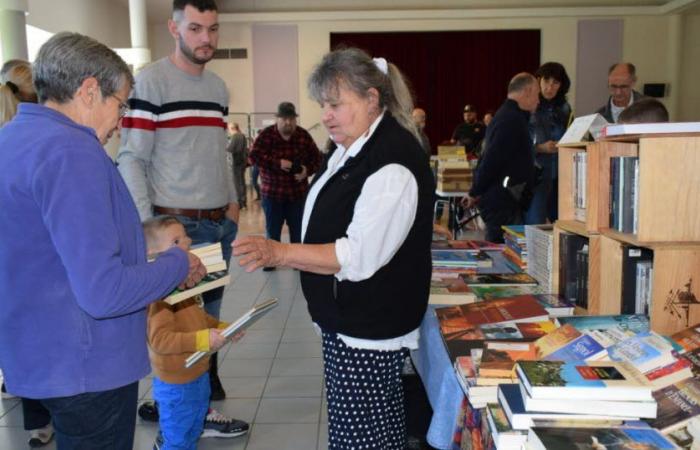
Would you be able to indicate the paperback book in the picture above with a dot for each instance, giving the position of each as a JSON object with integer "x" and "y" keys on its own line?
{"x": 587, "y": 380}
{"x": 540, "y": 438}
{"x": 210, "y": 281}
{"x": 242, "y": 323}
{"x": 678, "y": 403}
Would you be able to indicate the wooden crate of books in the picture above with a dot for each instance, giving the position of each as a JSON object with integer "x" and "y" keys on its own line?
{"x": 591, "y": 206}
{"x": 592, "y": 303}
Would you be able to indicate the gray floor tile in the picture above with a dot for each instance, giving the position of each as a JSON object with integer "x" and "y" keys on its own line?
{"x": 288, "y": 410}
{"x": 236, "y": 367}
{"x": 244, "y": 350}
{"x": 322, "y": 436}
{"x": 7, "y": 404}
{"x": 306, "y": 334}
{"x": 298, "y": 322}
{"x": 13, "y": 417}
{"x": 299, "y": 350}
{"x": 296, "y": 366}
{"x": 243, "y": 387}
{"x": 269, "y": 336}
{"x": 302, "y": 386}
{"x": 324, "y": 407}
{"x": 236, "y": 443}
{"x": 283, "y": 436}
{"x": 12, "y": 438}
{"x": 239, "y": 408}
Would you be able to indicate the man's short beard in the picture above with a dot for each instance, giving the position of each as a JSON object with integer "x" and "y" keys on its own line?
{"x": 189, "y": 53}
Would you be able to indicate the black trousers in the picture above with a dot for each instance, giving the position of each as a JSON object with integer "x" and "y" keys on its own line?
{"x": 35, "y": 414}
{"x": 497, "y": 208}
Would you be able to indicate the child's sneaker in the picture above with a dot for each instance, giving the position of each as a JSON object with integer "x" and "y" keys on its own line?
{"x": 40, "y": 436}
{"x": 218, "y": 425}
{"x": 148, "y": 411}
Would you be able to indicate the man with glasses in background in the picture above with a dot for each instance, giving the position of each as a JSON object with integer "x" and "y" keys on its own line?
{"x": 622, "y": 78}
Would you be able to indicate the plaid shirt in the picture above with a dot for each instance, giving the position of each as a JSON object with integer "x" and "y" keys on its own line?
{"x": 269, "y": 148}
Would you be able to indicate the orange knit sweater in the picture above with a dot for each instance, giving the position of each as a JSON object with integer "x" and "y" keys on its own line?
{"x": 172, "y": 338}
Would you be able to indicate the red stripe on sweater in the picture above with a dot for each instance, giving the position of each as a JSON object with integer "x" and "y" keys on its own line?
{"x": 136, "y": 122}
{"x": 182, "y": 122}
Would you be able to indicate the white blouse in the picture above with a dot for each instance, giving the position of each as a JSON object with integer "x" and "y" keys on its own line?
{"x": 383, "y": 216}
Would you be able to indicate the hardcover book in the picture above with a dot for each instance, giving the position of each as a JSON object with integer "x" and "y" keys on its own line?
{"x": 587, "y": 380}
{"x": 210, "y": 281}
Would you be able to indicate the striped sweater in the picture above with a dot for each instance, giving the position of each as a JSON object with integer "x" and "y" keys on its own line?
{"x": 173, "y": 141}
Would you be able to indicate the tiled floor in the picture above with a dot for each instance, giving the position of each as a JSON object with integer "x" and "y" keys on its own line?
{"x": 273, "y": 377}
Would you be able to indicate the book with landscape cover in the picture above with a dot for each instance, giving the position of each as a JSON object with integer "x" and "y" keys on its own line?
{"x": 636, "y": 323}
{"x": 558, "y": 338}
{"x": 460, "y": 258}
{"x": 591, "y": 380}
{"x": 541, "y": 438}
{"x": 468, "y": 245}
{"x": 501, "y": 279}
{"x": 504, "y": 436}
{"x": 645, "y": 351}
{"x": 689, "y": 338}
{"x": 210, "y": 281}
{"x": 454, "y": 320}
{"x": 499, "y": 358}
{"x": 242, "y": 323}
{"x": 555, "y": 304}
{"x": 450, "y": 291}
{"x": 678, "y": 403}
{"x": 519, "y": 331}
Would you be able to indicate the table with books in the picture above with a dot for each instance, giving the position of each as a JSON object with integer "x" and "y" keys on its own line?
{"x": 510, "y": 368}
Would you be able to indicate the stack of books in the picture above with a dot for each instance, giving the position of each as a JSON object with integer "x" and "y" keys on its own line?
{"x": 515, "y": 249}
{"x": 624, "y": 193}
{"x": 217, "y": 275}
{"x": 539, "y": 242}
{"x": 454, "y": 176}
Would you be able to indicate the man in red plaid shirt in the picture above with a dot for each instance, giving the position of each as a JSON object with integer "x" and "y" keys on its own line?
{"x": 286, "y": 156}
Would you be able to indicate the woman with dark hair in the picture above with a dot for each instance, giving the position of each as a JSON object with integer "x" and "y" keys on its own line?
{"x": 547, "y": 126}
{"x": 365, "y": 256}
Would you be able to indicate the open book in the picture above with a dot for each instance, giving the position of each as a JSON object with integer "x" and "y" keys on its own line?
{"x": 243, "y": 322}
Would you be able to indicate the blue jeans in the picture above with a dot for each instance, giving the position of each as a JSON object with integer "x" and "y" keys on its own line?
{"x": 182, "y": 409}
{"x": 95, "y": 420}
{"x": 254, "y": 174}
{"x": 276, "y": 213}
{"x": 206, "y": 230}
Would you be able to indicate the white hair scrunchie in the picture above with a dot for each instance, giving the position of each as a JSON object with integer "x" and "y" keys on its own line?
{"x": 382, "y": 65}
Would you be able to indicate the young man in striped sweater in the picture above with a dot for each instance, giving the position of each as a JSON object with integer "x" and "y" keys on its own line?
{"x": 173, "y": 152}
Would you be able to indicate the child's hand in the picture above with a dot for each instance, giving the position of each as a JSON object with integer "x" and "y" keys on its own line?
{"x": 237, "y": 337}
{"x": 216, "y": 339}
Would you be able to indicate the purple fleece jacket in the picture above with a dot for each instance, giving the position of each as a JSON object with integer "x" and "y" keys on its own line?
{"x": 73, "y": 272}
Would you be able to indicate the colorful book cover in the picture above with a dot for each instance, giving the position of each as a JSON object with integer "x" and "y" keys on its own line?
{"x": 454, "y": 320}
{"x": 535, "y": 330}
{"x": 646, "y": 351}
{"x": 499, "y": 279}
{"x": 679, "y": 365}
{"x": 515, "y": 230}
{"x": 637, "y": 323}
{"x": 494, "y": 292}
{"x": 519, "y": 331}
{"x": 689, "y": 338}
{"x": 580, "y": 349}
{"x": 594, "y": 380}
{"x": 469, "y": 245}
{"x": 677, "y": 404}
{"x": 599, "y": 438}
{"x": 460, "y": 258}
{"x": 499, "y": 358}
{"x": 449, "y": 286}
{"x": 693, "y": 357}
{"x": 556, "y": 339}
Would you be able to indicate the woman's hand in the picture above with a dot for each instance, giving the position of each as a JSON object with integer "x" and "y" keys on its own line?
{"x": 196, "y": 273}
{"x": 257, "y": 252}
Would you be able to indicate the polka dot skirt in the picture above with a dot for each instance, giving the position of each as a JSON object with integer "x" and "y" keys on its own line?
{"x": 365, "y": 397}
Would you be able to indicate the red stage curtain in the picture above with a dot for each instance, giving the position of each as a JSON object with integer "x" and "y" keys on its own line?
{"x": 448, "y": 69}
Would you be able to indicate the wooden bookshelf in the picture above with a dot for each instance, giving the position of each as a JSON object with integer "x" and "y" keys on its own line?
{"x": 668, "y": 224}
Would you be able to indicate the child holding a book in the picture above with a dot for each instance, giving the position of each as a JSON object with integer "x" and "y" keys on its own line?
{"x": 174, "y": 333}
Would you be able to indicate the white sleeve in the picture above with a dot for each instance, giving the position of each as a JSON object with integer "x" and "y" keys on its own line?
{"x": 383, "y": 216}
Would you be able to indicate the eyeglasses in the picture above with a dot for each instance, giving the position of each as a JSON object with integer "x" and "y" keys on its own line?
{"x": 123, "y": 106}
{"x": 619, "y": 87}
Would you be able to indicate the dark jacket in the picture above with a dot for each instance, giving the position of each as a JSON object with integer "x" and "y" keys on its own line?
{"x": 606, "y": 110}
{"x": 393, "y": 301}
{"x": 507, "y": 153}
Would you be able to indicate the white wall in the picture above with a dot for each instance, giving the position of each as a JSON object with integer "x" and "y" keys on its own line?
{"x": 689, "y": 89}
{"x": 104, "y": 20}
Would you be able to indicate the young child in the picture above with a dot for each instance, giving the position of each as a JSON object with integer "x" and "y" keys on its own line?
{"x": 174, "y": 333}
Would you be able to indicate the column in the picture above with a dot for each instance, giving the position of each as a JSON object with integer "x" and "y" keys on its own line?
{"x": 13, "y": 32}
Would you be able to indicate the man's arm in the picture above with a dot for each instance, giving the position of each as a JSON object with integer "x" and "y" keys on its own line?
{"x": 262, "y": 153}
{"x": 137, "y": 144}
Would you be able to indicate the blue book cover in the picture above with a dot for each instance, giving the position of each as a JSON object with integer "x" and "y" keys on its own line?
{"x": 579, "y": 349}
{"x": 637, "y": 323}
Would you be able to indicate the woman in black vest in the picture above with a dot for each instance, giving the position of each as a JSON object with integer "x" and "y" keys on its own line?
{"x": 365, "y": 257}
